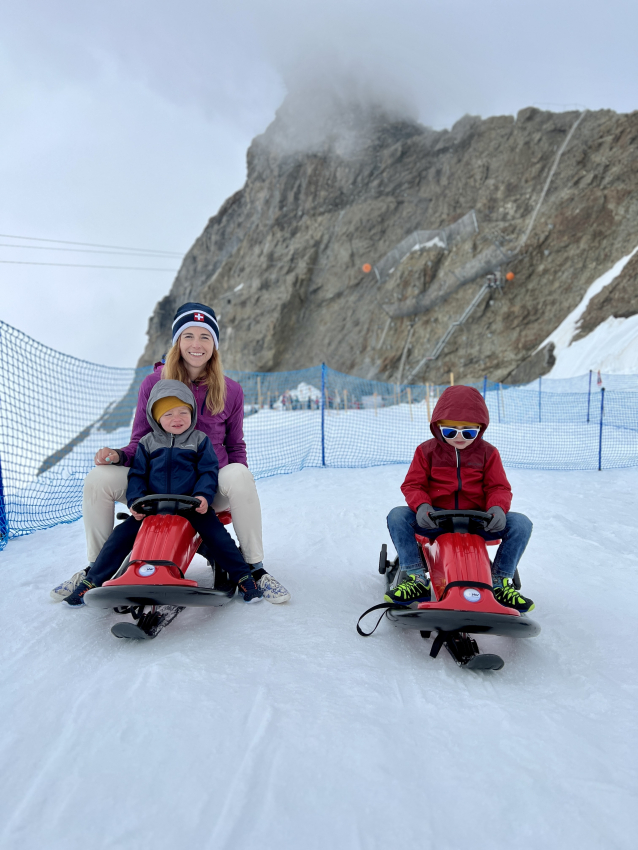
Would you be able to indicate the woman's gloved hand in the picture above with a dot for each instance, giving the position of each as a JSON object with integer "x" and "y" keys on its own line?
{"x": 422, "y": 517}
{"x": 498, "y": 519}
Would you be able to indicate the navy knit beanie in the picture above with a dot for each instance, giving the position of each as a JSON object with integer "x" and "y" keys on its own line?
{"x": 194, "y": 315}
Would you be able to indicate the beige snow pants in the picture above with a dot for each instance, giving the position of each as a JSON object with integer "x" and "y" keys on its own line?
{"x": 105, "y": 485}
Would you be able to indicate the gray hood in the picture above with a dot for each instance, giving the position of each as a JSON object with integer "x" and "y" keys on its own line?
{"x": 162, "y": 389}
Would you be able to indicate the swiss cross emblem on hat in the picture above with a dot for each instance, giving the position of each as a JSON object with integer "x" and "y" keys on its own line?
{"x": 199, "y": 317}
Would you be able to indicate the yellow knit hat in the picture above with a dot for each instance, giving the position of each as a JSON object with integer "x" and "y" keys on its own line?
{"x": 163, "y": 405}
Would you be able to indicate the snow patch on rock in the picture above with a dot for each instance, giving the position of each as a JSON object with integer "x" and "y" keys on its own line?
{"x": 611, "y": 347}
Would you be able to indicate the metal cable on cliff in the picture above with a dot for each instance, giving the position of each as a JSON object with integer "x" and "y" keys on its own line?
{"x": 549, "y": 180}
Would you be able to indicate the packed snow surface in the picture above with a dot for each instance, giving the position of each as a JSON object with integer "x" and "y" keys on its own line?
{"x": 261, "y": 726}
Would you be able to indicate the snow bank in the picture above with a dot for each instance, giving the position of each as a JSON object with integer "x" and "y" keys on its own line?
{"x": 259, "y": 727}
{"x": 612, "y": 347}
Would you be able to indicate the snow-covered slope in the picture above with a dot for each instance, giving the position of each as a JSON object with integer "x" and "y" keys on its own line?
{"x": 612, "y": 347}
{"x": 253, "y": 727}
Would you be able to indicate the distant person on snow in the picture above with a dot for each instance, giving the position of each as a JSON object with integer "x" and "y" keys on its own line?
{"x": 173, "y": 452}
{"x": 458, "y": 470}
{"x": 193, "y": 359}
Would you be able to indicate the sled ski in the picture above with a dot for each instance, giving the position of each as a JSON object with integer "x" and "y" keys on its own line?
{"x": 146, "y": 626}
{"x": 464, "y": 650}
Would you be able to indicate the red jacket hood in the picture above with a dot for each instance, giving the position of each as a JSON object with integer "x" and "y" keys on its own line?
{"x": 464, "y": 404}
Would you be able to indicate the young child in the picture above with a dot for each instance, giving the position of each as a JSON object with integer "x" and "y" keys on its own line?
{"x": 173, "y": 458}
{"x": 458, "y": 469}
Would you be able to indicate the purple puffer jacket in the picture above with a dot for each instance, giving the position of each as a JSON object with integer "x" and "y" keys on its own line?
{"x": 225, "y": 430}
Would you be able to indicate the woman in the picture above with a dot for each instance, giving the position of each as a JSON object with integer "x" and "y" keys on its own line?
{"x": 193, "y": 359}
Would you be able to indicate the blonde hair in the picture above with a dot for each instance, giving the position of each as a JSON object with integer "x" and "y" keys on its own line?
{"x": 213, "y": 376}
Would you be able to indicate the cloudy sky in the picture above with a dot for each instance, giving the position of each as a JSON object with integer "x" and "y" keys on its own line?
{"x": 126, "y": 123}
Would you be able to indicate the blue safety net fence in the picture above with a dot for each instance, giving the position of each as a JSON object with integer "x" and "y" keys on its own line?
{"x": 56, "y": 411}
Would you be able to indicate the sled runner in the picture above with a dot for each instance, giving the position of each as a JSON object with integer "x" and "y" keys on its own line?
{"x": 463, "y": 602}
{"x": 154, "y": 573}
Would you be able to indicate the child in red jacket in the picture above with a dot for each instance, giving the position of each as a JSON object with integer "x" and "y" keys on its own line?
{"x": 458, "y": 469}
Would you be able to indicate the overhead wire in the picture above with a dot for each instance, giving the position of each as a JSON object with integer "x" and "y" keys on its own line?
{"x": 117, "y": 251}
{"x": 92, "y": 245}
{"x": 82, "y": 266}
{"x": 131, "y": 253}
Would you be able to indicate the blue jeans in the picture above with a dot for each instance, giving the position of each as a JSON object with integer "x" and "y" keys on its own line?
{"x": 402, "y": 527}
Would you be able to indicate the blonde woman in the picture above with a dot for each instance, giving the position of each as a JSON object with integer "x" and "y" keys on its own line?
{"x": 194, "y": 360}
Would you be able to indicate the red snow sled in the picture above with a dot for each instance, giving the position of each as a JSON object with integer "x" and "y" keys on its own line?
{"x": 463, "y": 602}
{"x": 163, "y": 550}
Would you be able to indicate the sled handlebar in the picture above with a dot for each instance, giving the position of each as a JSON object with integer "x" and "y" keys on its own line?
{"x": 460, "y": 520}
{"x": 164, "y": 503}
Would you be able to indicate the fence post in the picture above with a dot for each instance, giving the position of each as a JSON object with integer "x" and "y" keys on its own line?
{"x": 4, "y": 522}
{"x": 323, "y": 414}
{"x": 589, "y": 395}
{"x": 484, "y": 386}
{"x": 540, "y": 384}
{"x": 600, "y": 436}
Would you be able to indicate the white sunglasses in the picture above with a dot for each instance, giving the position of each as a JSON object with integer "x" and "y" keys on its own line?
{"x": 466, "y": 433}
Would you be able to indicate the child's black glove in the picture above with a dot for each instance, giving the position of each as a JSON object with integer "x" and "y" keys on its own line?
{"x": 422, "y": 516}
{"x": 498, "y": 519}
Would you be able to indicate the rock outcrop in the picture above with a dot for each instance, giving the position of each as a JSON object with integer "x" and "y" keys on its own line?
{"x": 282, "y": 260}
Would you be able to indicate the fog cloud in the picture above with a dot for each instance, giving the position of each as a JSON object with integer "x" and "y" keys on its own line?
{"x": 236, "y": 60}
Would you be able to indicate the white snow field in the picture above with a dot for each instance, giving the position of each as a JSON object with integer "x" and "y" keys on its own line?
{"x": 261, "y": 726}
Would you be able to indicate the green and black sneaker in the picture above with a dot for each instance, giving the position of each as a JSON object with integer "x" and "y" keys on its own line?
{"x": 510, "y": 597}
{"x": 413, "y": 589}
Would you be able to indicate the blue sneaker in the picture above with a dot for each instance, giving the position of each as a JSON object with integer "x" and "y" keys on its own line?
{"x": 249, "y": 589}
{"x": 76, "y": 598}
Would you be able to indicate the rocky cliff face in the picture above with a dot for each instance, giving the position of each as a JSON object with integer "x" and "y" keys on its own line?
{"x": 282, "y": 260}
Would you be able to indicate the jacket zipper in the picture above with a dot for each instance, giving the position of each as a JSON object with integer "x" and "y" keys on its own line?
{"x": 458, "y": 478}
{"x": 195, "y": 388}
{"x": 170, "y": 464}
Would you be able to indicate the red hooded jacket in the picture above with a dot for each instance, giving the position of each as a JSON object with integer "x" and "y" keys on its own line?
{"x": 472, "y": 478}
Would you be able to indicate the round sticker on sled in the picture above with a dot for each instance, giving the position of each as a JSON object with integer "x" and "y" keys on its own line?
{"x": 146, "y": 570}
{"x": 472, "y": 594}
